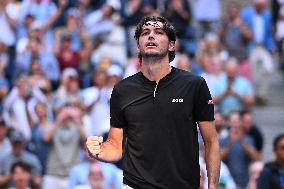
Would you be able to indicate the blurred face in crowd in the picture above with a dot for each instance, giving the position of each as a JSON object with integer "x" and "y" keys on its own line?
{"x": 231, "y": 70}
{"x": 99, "y": 79}
{"x": 217, "y": 65}
{"x": 36, "y": 68}
{"x": 206, "y": 63}
{"x": 17, "y": 147}
{"x": 279, "y": 151}
{"x": 219, "y": 121}
{"x": 23, "y": 87}
{"x": 259, "y": 5}
{"x": 21, "y": 177}
{"x": 153, "y": 41}
{"x": 235, "y": 120}
{"x": 247, "y": 121}
{"x": 34, "y": 46}
{"x": 233, "y": 12}
{"x": 96, "y": 176}
{"x": 184, "y": 63}
{"x": 72, "y": 22}
{"x": 107, "y": 11}
{"x": 40, "y": 110}
{"x": 72, "y": 85}
{"x": 84, "y": 3}
{"x": 66, "y": 43}
{"x": 29, "y": 20}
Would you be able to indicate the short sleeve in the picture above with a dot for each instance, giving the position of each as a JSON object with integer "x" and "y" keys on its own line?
{"x": 203, "y": 103}
{"x": 116, "y": 114}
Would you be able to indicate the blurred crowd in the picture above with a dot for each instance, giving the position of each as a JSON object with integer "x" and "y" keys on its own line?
{"x": 59, "y": 61}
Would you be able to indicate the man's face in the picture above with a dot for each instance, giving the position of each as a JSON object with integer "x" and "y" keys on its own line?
{"x": 21, "y": 177}
{"x": 279, "y": 151}
{"x": 153, "y": 41}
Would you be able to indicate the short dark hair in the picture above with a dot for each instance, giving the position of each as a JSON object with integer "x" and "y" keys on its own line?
{"x": 22, "y": 165}
{"x": 167, "y": 27}
{"x": 277, "y": 140}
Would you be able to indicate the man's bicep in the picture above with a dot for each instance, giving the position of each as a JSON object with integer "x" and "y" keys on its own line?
{"x": 117, "y": 119}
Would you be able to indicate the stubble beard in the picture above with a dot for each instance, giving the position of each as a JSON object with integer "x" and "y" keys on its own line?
{"x": 152, "y": 57}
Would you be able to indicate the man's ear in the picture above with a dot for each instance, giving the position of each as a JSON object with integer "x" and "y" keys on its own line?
{"x": 172, "y": 46}
{"x": 138, "y": 48}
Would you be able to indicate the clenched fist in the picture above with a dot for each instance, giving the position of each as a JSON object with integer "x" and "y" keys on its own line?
{"x": 93, "y": 145}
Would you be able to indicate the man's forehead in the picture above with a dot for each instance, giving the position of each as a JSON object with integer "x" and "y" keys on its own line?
{"x": 155, "y": 24}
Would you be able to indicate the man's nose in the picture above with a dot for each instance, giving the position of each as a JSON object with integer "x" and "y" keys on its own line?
{"x": 151, "y": 35}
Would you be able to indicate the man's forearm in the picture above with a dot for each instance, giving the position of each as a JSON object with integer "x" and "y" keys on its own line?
{"x": 213, "y": 160}
{"x": 251, "y": 151}
{"x": 110, "y": 152}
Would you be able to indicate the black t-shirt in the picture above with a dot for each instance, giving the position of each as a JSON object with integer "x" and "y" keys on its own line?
{"x": 160, "y": 125}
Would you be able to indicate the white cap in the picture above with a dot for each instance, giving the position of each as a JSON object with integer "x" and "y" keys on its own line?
{"x": 69, "y": 72}
{"x": 115, "y": 70}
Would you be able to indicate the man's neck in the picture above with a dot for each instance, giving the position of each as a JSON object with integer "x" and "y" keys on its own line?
{"x": 155, "y": 71}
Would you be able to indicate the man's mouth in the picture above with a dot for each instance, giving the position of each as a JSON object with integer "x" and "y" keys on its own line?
{"x": 151, "y": 44}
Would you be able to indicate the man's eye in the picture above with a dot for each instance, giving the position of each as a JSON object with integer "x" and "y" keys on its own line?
{"x": 160, "y": 32}
{"x": 144, "y": 33}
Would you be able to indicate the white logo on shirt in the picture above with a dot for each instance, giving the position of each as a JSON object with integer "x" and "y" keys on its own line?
{"x": 177, "y": 100}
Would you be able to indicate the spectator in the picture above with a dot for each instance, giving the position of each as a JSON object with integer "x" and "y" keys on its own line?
{"x": 45, "y": 14}
{"x": 212, "y": 69}
{"x": 65, "y": 55}
{"x": 72, "y": 27}
{"x": 64, "y": 146}
{"x": 20, "y": 154}
{"x": 34, "y": 47}
{"x": 68, "y": 91}
{"x": 7, "y": 22}
{"x": 44, "y": 88}
{"x": 38, "y": 144}
{"x": 132, "y": 67}
{"x": 184, "y": 63}
{"x": 279, "y": 35}
{"x": 4, "y": 64}
{"x": 272, "y": 175}
{"x": 238, "y": 151}
{"x": 20, "y": 175}
{"x": 252, "y": 130}
{"x": 259, "y": 21}
{"x": 95, "y": 178}
{"x": 79, "y": 174}
{"x": 5, "y": 144}
{"x": 15, "y": 107}
{"x": 179, "y": 13}
{"x": 99, "y": 24}
{"x": 233, "y": 92}
{"x": 235, "y": 35}
{"x": 254, "y": 172}
{"x": 220, "y": 124}
{"x": 207, "y": 18}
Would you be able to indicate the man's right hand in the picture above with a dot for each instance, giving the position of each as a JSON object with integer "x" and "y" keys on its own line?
{"x": 93, "y": 145}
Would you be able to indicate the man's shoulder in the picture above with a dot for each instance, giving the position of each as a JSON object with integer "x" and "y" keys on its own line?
{"x": 188, "y": 76}
{"x": 125, "y": 83}
{"x": 272, "y": 166}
